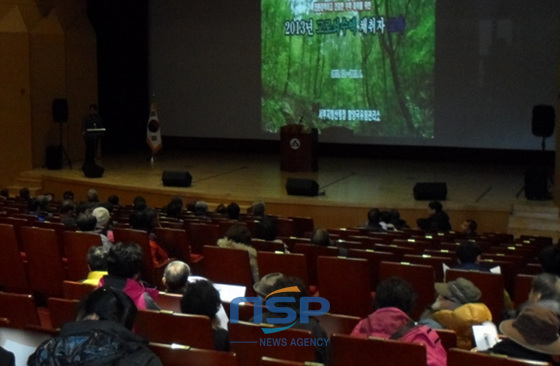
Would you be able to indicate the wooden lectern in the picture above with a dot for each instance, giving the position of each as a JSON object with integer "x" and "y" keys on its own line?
{"x": 298, "y": 148}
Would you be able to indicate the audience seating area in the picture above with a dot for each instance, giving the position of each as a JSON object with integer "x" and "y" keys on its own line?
{"x": 42, "y": 263}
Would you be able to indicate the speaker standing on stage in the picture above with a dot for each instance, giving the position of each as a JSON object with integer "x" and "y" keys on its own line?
{"x": 92, "y": 120}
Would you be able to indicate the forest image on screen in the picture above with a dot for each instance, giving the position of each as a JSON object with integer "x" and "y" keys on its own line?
{"x": 366, "y": 66}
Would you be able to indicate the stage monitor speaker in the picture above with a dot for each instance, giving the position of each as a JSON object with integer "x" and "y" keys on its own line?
{"x": 172, "y": 178}
{"x": 92, "y": 170}
{"x": 53, "y": 159}
{"x": 543, "y": 120}
{"x": 536, "y": 184}
{"x": 60, "y": 110}
{"x": 430, "y": 191}
{"x": 302, "y": 187}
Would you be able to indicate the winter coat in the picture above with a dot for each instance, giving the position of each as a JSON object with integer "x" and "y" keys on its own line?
{"x": 94, "y": 343}
{"x": 461, "y": 321}
{"x": 383, "y": 323}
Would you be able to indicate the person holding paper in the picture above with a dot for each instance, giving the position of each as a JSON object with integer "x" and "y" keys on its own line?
{"x": 456, "y": 308}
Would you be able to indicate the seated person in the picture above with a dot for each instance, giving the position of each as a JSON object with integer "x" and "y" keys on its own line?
{"x": 394, "y": 299}
{"x": 201, "y": 298}
{"x": 103, "y": 216}
{"x": 468, "y": 227}
{"x": 239, "y": 237}
{"x": 533, "y": 335}
{"x": 97, "y": 264}
{"x": 146, "y": 220}
{"x": 276, "y": 281}
{"x": 321, "y": 237}
{"x": 373, "y": 217}
{"x": 87, "y": 223}
{"x": 456, "y": 308}
{"x": 545, "y": 290}
{"x": 101, "y": 335}
{"x": 438, "y": 219}
{"x": 468, "y": 256}
{"x": 176, "y": 276}
{"x": 124, "y": 262}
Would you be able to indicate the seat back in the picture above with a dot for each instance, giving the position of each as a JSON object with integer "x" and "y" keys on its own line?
{"x": 421, "y": 277}
{"x": 434, "y": 261}
{"x": 176, "y": 242}
{"x": 170, "y": 302}
{"x": 448, "y": 338}
{"x": 374, "y": 258}
{"x": 289, "y": 264}
{"x": 267, "y": 245}
{"x": 74, "y": 290}
{"x": 200, "y": 234}
{"x": 44, "y": 261}
{"x": 165, "y": 327}
{"x": 13, "y": 277}
{"x": 76, "y": 247}
{"x": 285, "y": 226}
{"x": 311, "y": 252}
{"x": 230, "y": 266}
{"x": 269, "y": 361}
{"x": 523, "y": 285}
{"x": 19, "y": 309}
{"x": 338, "y": 323}
{"x": 62, "y": 311}
{"x": 345, "y": 283}
{"x": 176, "y": 355}
{"x": 303, "y": 225}
{"x": 351, "y": 351}
{"x": 490, "y": 284}
{"x": 246, "y": 339}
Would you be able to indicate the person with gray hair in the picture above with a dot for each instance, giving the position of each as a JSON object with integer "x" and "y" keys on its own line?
{"x": 257, "y": 209}
{"x": 92, "y": 195}
{"x": 176, "y": 276}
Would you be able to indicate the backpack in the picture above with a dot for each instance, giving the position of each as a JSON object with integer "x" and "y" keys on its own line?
{"x": 413, "y": 333}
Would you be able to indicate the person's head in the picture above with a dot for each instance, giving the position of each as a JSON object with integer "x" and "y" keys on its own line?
{"x": 86, "y": 222}
{"x": 264, "y": 286}
{"x": 277, "y": 281}
{"x": 67, "y": 207}
{"x": 435, "y": 206}
{"x": 549, "y": 257}
{"x": 373, "y": 216}
{"x": 174, "y": 207}
{"x": 68, "y": 195}
{"x": 545, "y": 286}
{"x": 25, "y": 193}
{"x": 200, "y": 208}
{"x": 143, "y": 220}
{"x": 535, "y": 328}
{"x": 257, "y": 208}
{"x": 113, "y": 199}
{"x": 265, "y": 230}
{"x": 102, "y": 215}
{"x": 175, "y": 277}
{"x": 139, "y": 203}
{"x": 395, "y": 292}
{"x": 469, "y": 227}
{"x": 233, "y": 211}
{"x": 239, "y": 234}
{"x": 201, "y": 298}
{"x": 468, "y": 252}
{"x": 455, "y": 293}
{"x": 106, "y": 303}
{"x": 124, "y": 260}
{"x": 92, "y": 195}
{"x": 385, "y": 216}
{"x": 97, "y": 259}
{"x": 321, "y": 237}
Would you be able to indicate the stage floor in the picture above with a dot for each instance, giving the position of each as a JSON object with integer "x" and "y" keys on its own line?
{"x": 356, "y": 183}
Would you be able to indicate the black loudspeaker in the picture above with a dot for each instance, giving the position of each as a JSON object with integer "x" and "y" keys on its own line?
{"x": 536, "y": 184}
{"x": 60, "y": 110}
{"x": 543, "y": 120}
{"x": 53, "y": 158}
{"x": 176, "y": 178}
{"x": 92, "y": 170}
{"x": 302, "y": 187}
{"x": 430, "y": 191}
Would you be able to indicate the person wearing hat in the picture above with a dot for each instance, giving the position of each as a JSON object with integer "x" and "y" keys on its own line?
{"x": 456, "y": 308}
{"x": 533, "y": 335}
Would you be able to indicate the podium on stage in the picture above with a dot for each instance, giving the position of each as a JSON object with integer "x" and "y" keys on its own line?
{"x": 298, "y": 148}
{"x": 92, "y": 137}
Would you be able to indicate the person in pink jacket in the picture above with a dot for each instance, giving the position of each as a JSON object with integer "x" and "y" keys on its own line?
{"x": 394, "y": 299}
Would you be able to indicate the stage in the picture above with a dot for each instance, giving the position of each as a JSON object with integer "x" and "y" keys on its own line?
{"x": 485, "y": 192}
